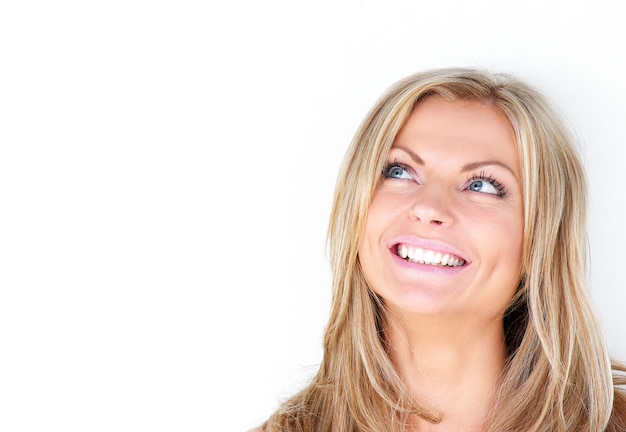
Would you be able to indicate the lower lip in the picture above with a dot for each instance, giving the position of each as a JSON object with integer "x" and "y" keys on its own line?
{"x": 428, "y": 268}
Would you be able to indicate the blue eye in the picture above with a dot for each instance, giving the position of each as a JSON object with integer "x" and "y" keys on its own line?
{"x": 396, "y": 171}
{"x": 486, "y": 185}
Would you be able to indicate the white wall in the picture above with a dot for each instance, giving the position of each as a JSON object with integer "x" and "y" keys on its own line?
{"x": 166, "y": 171}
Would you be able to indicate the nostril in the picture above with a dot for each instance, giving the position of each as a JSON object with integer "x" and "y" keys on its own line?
{"x": 434, "y": 211}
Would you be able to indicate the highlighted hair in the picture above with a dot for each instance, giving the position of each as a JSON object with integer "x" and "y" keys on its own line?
{"x": 558, "y": 375}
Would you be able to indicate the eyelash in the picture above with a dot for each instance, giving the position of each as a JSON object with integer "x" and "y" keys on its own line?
{"x": 489, "y": 179}
{"x": 395, "y": 163}
{"x": 500, "y": 188}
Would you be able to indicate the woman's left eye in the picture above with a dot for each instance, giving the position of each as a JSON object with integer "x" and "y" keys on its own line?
{"x": 487, "y": 186}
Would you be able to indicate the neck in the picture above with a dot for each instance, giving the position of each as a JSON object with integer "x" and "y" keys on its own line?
{"x": 450, "y": 365}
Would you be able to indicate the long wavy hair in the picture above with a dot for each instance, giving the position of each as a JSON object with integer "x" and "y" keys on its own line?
{"x": 558, "y": 375}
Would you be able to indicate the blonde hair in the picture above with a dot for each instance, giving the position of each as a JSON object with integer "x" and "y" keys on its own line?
{"x": 558, "y": 375}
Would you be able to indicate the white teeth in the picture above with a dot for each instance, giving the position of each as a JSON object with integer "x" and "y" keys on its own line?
{"x": 419, "y": 255}
{"x": 428, "y": 257}
{"x": 425, "y": 256}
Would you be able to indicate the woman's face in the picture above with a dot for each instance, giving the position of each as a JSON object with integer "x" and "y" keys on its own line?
{"x": 444, "y": 230}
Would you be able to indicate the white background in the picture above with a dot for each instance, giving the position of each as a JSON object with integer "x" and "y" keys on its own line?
{"x": 166, "y": 171}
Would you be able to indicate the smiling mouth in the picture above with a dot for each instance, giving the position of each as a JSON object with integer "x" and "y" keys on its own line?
{"x": 429, "y": 257}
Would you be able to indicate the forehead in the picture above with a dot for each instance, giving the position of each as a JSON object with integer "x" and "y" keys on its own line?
{"x": 458, "y": 128}
{"x": 457, "y": 117}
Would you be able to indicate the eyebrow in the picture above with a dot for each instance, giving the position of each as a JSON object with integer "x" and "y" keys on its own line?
{"x": 467, "y": 167}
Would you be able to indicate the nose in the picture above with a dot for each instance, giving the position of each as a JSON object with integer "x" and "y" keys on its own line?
{"x": 433, "y": 206}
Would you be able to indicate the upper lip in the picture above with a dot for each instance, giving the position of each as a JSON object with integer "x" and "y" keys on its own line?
{"x": 429, "y": 244}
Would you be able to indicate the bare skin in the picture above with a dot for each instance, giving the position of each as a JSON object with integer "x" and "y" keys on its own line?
{"x": 453, "y": 371}
{"x": 442, "y": 247}
{"x": 451, "y": 190}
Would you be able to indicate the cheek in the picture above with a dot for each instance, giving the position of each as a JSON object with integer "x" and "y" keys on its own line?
{"x": 385, "y": 212}
{"x": 377, "y": 215}
{"x": 513, "y": 233}
{"x": 374, "y": 224}
{"x": 387, "y": 205}
{"x": 382, "y": 214}
{"x": 509, "y": 244}
{"x": 499, "y": 234}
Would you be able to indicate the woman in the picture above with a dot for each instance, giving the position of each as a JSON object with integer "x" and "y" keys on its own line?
{"x": 457, "y": 243}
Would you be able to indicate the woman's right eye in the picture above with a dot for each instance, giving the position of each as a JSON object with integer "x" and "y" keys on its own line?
{"x": 396, "y": 171}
